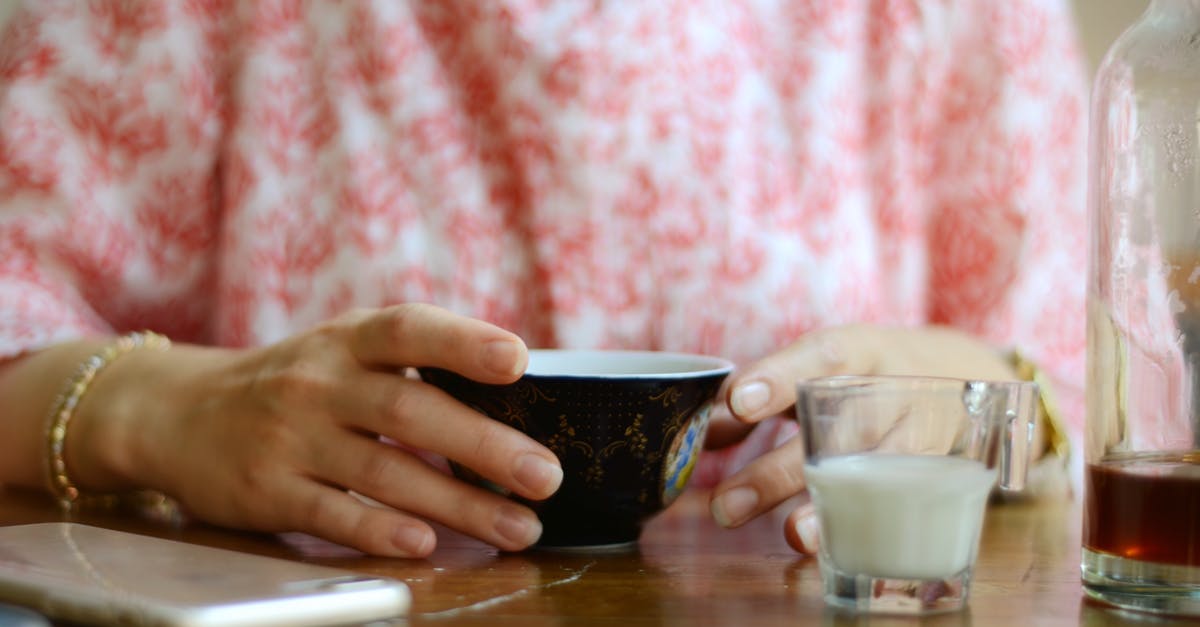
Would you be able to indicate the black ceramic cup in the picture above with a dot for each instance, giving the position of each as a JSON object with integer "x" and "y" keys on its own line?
{"x": 627, "y": 427}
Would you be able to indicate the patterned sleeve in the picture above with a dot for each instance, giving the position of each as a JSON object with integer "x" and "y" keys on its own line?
{"x": 1008, "y": 230}
{"x": 108, "y": 127}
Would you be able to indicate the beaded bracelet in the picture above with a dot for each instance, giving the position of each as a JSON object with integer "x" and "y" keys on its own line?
{"x": 61, "y": 486}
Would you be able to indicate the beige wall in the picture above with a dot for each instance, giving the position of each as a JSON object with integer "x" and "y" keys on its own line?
{"x": 1100, "y": 21}
{"x": 6, "y": 8}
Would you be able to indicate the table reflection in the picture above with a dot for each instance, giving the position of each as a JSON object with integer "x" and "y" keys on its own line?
{"x": 685, "y": 571}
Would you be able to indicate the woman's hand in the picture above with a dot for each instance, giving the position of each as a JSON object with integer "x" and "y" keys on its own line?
{"x": 277, "y": 438}
{"x": 767, "y": 388}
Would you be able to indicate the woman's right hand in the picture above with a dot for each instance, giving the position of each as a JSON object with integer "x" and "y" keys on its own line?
{"x": 276, "y": 438}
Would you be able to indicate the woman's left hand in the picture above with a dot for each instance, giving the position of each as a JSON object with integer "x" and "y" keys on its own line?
{"x": 767, "y": 388}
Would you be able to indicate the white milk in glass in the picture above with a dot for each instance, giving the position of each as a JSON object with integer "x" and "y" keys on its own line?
{"x": 900, "y": 516}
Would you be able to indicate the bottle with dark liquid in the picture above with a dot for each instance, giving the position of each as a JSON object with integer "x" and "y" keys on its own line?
{"x": 1146, "y": 509}
{"x": 1141, "y": 539}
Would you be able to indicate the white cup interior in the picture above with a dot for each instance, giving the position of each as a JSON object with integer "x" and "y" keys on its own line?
{"x": 616, "y": 364}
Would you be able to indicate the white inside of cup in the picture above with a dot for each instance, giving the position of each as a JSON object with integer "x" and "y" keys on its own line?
{"x": 623, "y": 364}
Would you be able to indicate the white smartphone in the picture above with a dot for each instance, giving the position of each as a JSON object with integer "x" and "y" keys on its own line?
{"x": 94, "y": 575}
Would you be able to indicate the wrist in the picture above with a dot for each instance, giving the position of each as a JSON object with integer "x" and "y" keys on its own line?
{"x": 86, "y": 426}
{"x": 127, "y": 432}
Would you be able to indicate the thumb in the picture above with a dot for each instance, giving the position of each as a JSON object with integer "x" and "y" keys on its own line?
{"x": 767, "y": 387}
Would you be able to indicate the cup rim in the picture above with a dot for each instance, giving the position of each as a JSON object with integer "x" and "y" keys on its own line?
{"x": 844, "y": 381}
{"x": 568, "y": 363}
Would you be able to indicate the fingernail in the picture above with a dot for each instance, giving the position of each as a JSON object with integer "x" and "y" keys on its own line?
{"x": 750, "y": 397}
{"x": 537, "y": 475}
{"x": 733, "y": 506}
{"x": 503, "y": 357}
{"x": 517, "y": 527}
{"x": 806, "y": 528}
{"x": 412, "y": 540}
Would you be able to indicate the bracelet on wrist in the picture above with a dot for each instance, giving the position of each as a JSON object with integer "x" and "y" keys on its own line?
{"x": 59, "y": 480}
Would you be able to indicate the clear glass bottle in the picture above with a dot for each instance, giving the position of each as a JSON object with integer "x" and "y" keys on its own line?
{"x": 1141, "y": 535}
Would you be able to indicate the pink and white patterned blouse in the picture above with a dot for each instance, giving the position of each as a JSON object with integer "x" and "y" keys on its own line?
{"x": 717, "y": 176}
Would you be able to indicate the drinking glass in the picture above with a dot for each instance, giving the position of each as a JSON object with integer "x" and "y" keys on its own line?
{"x": 1141, "y": 525}
{"x": 900, "y": 470}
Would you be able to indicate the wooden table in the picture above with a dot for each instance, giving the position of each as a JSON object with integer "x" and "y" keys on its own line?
{"x": 687, "y": 571}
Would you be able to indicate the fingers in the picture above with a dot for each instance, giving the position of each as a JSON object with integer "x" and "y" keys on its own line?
{"x": 760, "y": 486}
{"x": 767, "y": 387}
{"x": 424, "y": 417}
{"x": 801, "y": 529}
{"x": 337, "y": 516}
{"x": 382, "y": 401}
{"x": 424, "y": 335}
{"x": 401, "y": 480}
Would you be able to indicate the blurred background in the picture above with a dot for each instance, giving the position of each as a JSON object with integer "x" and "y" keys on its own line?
{"x": 1100, "y": 21}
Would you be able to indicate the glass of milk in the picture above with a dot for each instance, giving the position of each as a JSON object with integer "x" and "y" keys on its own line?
{"x": 900, "y": 470}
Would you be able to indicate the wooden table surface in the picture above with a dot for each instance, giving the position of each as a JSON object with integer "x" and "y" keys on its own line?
{"x": 686, "y": 571}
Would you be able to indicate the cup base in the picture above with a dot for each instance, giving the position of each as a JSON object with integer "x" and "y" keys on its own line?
{"x": 629, "y": 546}
{"x": 889, "y": 595}
{"x": 1141, "y": 586}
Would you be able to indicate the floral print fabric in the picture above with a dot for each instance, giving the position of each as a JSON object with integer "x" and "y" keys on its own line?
{"x": 716, "y": 176}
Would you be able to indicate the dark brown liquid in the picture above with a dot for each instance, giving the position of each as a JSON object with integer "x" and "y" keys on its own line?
{"x": 1146, "y": 509}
